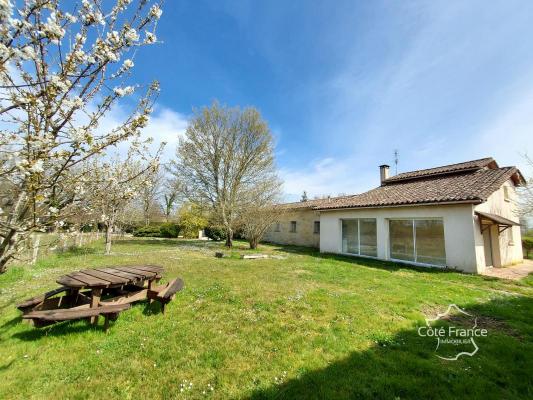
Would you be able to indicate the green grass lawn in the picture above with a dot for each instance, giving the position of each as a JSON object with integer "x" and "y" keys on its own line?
{"x": 303, "y": 325}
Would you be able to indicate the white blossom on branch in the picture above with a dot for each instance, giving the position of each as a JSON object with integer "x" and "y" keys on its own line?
{"x": 63, "y": 62}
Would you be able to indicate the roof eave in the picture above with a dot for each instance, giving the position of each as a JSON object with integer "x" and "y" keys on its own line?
{"x": 440, "y": 203}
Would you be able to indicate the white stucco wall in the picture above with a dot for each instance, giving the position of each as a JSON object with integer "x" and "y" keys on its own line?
{"x": 458, "y": 230}
{"x": 509, "y": 242}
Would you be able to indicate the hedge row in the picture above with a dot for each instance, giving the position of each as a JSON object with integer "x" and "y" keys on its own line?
{"x": 166, "y": 230}
{"x": 527, "y": 245}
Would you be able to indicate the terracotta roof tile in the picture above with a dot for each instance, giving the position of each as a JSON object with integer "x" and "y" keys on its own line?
{"x": 467, "y": 186}
{"x": 314, "y": 203}
{"x": 445, "y": 169}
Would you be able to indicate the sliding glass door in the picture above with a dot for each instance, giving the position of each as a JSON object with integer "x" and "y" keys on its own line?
{"x": 402, "y": 244}
{"x": 359, "y": 237}
{"x": 430, "y": 242}
{"x": 417, "y": 240}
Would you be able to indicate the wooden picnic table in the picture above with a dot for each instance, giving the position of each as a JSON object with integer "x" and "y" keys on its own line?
{"x": 96, "y": 280}
{"x": 102, "y": 291}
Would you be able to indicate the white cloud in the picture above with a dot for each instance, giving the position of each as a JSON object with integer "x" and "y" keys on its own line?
{"x": 166, "y": 125}
{"x": 329, "y": 176}
{"x": 450, "y": 90}
{"x": 508, "y": 135}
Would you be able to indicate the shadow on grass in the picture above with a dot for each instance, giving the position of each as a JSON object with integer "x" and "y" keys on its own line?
{"x": 12, "y": 322}
{"x": 367, "y": 262}
{"x": 238, "y": 244}
{"x": 405, "y": 365}
{"x": 165, "y": 242}
{"x": 58, "y": 329}
{"x": 153, "y": 309}
{"x": 6, "y": 366}
{"x": 77, "y": 251}
{"x": 75, "y": 326}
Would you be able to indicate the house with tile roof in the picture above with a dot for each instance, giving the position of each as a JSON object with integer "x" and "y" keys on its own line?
{"x": 460, "y": 216}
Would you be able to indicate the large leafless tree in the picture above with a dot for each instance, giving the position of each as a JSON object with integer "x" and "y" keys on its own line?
{"x": 226, "y": 154}
{"x": 525, "y": 201}
{"x": 260, "y": 211}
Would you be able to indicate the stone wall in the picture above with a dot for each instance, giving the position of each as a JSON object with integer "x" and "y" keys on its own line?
{"x": 304, "y": 235}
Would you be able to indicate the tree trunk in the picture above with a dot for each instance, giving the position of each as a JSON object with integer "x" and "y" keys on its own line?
{"x": 253, "y": 243}
{"x": 229, "y": 238}
{"x": 6, "y": 249}
{"x": 3, "y": 264}
{"x": 35, "y": 253}
{"x": 79, "y": 239}
{"x": 108, "y": 239}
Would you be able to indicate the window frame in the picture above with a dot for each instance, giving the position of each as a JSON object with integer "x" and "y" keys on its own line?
{"x": 359, "y": 237}
{"x": 413, "y": 220}
{"x": 315, "y": 229}
{"x": 292, "y": 227}
{"x": 506, "y": 194}
{"x": 277, "y": 227}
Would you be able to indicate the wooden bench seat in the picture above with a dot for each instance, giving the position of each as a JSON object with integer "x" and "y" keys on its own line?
{"x": 47, "y": 317}
{"x": 164, "y": 294}
{"x": 35, "y": 301}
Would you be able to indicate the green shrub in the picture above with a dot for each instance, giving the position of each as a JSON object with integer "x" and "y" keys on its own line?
{"x": 190, "y": 222}
{"x": 169, "y": 230}
{"x": 527, "y": 245}
{"x": 215, "y": 232}
{"x": 131, "y": 227}
{"x": 147, "y": 231}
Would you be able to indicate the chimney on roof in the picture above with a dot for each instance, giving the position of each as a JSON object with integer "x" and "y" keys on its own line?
{"x": 383, "y": 172}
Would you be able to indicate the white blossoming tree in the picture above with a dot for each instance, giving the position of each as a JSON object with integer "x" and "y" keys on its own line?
{"x": 149, "y": 195}
{"x": 114, "y": 186}
{"x": 63, "y": 65}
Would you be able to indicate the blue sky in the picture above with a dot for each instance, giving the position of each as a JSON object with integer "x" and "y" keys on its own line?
{"x": 342, "y": 84}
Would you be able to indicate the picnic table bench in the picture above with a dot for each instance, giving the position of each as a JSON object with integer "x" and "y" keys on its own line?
{"x": 47, "y": 317}
{"x": 107, "y": 291}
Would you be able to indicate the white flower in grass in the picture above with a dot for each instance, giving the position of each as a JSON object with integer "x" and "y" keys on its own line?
{"x": 53, "y": 210}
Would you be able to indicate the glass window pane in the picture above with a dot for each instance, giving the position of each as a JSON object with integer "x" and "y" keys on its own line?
{"x": 368, "y": 237}
{"x": 401, "y": 240}
{"x": 350, "y": 239}
{"x": 430, "y": 242}
{"x": 293, "y": 226}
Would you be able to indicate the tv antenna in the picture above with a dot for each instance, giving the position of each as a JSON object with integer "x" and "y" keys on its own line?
{"x": 396, "y": 158}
